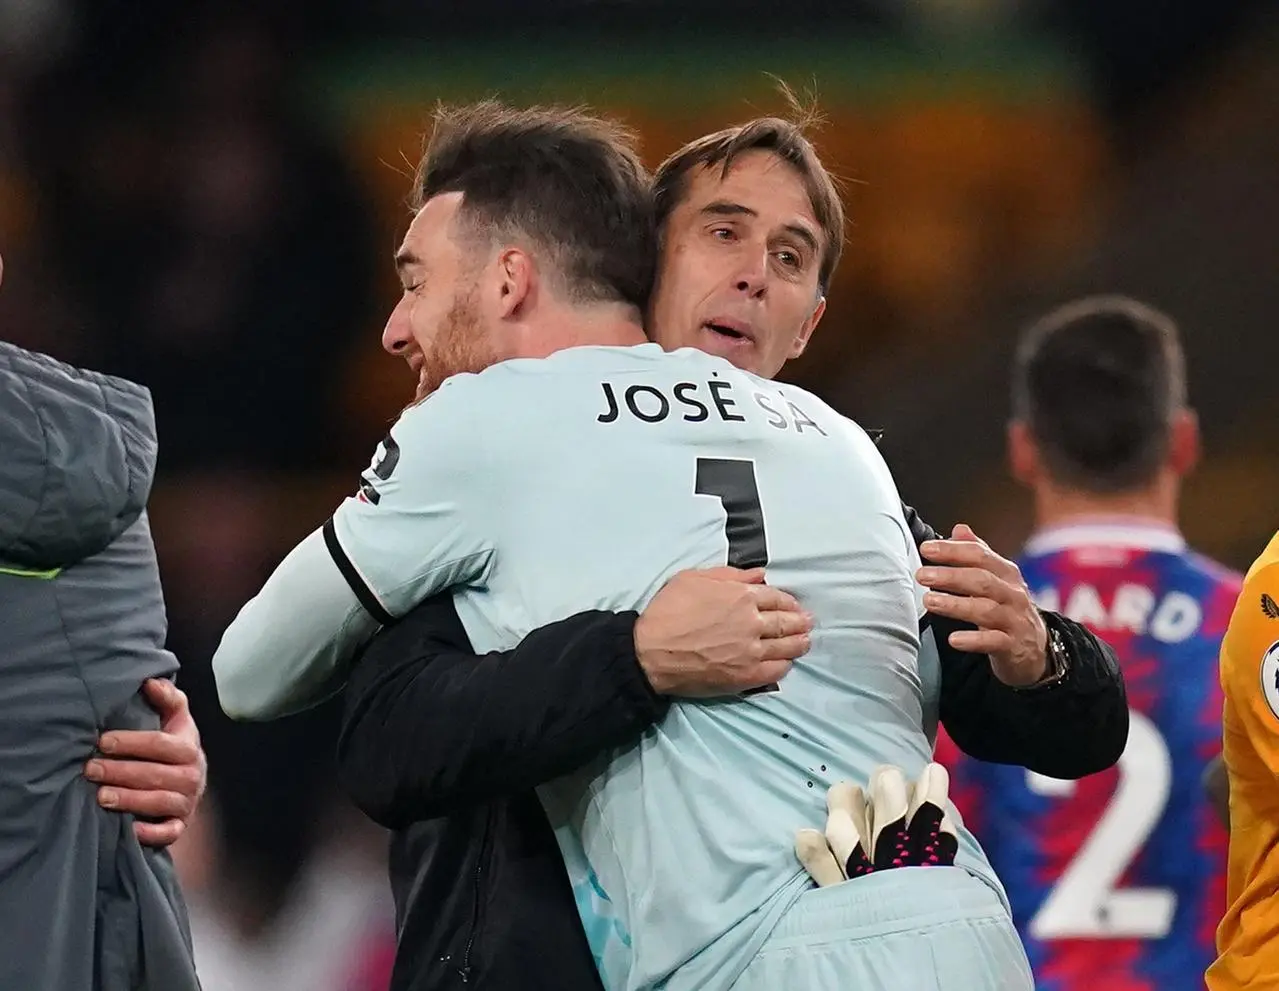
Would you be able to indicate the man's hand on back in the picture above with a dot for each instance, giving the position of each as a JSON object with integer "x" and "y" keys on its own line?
{"x": 159, "y": 774}
{"x": 970, "y": 582}
{"x": 717, "y": 632}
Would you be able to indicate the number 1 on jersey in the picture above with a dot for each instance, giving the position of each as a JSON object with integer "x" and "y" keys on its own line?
{"x": 732, "y": 482}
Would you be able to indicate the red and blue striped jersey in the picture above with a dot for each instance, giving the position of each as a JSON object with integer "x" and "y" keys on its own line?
{"x": 1117, "y": 882}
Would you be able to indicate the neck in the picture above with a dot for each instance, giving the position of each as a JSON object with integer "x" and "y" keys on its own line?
{"x": 600, "y": 325}
{"x": 1057, "y": 506}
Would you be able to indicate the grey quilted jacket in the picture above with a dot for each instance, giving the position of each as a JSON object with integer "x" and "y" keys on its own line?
{"x": 83, "y": 906}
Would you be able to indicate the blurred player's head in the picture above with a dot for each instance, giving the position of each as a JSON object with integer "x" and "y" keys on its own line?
{"x": 523, "y": 219}
{"x": 751, "y": 231}
{"x": 1100, "y": 420}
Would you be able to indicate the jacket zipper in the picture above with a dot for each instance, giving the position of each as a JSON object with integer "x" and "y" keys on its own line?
{"x": 479, "y": 891}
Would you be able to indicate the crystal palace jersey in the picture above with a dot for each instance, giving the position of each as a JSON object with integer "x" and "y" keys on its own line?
{"x": 1117, "y": 881}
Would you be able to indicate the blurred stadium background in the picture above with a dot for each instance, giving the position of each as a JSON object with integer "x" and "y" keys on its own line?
{"x": 205, "y": 196}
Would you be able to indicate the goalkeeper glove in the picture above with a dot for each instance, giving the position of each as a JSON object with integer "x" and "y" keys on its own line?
{"x": 892, "y": 826}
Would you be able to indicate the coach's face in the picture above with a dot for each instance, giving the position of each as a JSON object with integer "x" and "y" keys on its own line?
{"x": 739, "y": 268}
{"x": 436, "y": 324}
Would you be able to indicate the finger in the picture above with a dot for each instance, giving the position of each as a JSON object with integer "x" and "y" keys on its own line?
{"x": 153, "y": 745}
{"x": 934, "y": 840}
{"x": 962, "y": 531}
{"x": 785, "y": 648}
{"x": 174, "y": 709}
{"x": 154, "y": 804}
{"x": 949, "y": 835}
{"x": 182, "y": 778}
{"x": 932, "y": 785}
{"x": 889, "y": 799}
{"x": 159, "y": 834}
{"x": 970, "y": 554}
{"x": 924, "y": 837}
{"x": 750, "y": 576}
{"x": 815, "y": 854}
{"x": 981, "y": 641}
{"x": 165, "y": 697}
{"x": 972, "y": 582}
{"x": 764, "y": 674}
{"x": 768, "y": 598}
{"x": 981, "y": 612}
{"x": 785, "y": 623}
{"x": 841, "y": 826}
{"x": 961, "y": 552}
{"x": 863, "y": 819}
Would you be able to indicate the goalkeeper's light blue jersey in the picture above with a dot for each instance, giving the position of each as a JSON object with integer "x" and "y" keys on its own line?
{"x": 586, "y": 480}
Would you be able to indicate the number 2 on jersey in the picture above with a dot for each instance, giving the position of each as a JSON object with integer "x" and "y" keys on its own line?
{"x": 1086, "y": 901}
{"x": 732, "y": 481}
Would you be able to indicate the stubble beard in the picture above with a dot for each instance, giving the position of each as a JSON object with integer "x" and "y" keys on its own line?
{"x": 460, "y": 346}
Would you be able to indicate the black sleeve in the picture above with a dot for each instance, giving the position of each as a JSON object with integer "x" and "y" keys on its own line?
{"x": 429, "y": 727}
{"x": 1068, "y": 730}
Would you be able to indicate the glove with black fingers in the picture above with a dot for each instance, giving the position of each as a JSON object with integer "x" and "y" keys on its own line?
{"x": 890, "y": 825}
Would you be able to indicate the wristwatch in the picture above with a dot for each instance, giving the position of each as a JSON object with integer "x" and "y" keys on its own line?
{"x": 1058, "y": 663}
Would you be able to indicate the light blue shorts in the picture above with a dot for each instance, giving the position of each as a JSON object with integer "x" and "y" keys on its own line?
{"x": 909, "y": 929}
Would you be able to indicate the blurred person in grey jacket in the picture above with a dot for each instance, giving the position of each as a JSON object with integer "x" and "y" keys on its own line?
{"x": 84, "y": 904}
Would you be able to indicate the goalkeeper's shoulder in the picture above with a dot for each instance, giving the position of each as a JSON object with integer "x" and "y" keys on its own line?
{"x": 496, "y": 406}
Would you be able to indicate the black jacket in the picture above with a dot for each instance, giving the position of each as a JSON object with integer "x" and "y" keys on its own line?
{"x": 445, "y": 747}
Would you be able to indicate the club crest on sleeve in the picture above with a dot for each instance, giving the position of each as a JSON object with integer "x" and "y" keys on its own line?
{"x": 385, "y": 460}
{"x": 1270, "y": 677}
{"x": 1269, "y": 606}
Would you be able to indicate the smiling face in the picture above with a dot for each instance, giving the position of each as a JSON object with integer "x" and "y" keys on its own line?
{"x": 436, "y": 326}
{"x": 740, "y": 265}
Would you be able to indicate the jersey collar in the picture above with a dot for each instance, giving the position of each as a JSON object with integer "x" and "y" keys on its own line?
{"x": 1129, "y": 532}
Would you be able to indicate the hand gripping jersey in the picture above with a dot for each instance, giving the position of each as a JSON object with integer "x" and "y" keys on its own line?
{"x": 541, "y": 488}
{"x": 1117, "y": 881}
{"x": 1248, "y": 938}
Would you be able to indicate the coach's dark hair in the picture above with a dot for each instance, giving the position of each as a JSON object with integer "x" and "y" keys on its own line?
{"x": 784, "y": 138}
{"x": 569, "y": 182}
{"x": 1097, "y": 383}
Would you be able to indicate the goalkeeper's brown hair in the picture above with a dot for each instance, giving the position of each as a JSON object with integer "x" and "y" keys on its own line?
{"x": 570, "y": 182}
{"x": 1097, "y": 383}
